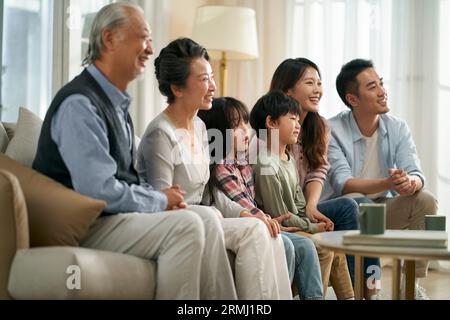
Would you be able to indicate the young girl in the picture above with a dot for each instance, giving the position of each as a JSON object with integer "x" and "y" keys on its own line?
{"x": 277, "y": 185}
{"x": 300, "y": 79}
{"x": 174, "y": 151}
{"x": 233, "y": 175}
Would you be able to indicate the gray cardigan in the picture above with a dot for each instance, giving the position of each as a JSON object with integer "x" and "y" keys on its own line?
{"x": 164, "y": 160}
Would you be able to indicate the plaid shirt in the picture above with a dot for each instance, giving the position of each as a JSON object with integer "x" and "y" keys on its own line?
{"x": 237, "y": 182}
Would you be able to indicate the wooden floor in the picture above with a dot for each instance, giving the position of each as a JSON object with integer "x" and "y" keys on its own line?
{"x": 437, "y": 285}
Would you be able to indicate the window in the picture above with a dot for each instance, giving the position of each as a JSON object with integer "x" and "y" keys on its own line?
{"x": 26, "y": 57}
{"x": 35, "y": 62}
{"x": 81, "y": 15}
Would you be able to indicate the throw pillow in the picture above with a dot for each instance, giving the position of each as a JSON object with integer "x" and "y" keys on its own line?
{"x": 23, "y": 145}
{"x": 56, "y": 214}
{"x": 4, "y": 140}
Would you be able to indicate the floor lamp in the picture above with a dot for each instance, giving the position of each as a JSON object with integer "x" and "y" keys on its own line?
{"x": 228, "y": 33}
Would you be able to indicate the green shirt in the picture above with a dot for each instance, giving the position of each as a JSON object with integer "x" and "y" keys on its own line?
{"x": 278, "y": 190}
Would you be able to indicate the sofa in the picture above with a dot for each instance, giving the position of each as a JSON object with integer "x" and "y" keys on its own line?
{"x": 41, "y": 224}
{"x": 39, "y": 253}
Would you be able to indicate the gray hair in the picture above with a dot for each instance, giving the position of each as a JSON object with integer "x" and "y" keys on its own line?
{"x": 111, "y": 16}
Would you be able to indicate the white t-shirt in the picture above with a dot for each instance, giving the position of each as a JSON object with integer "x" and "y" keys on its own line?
{"x": 371, "y": 167}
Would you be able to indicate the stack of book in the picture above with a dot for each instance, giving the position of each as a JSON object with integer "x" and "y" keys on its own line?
{"x": 403, "y": 238}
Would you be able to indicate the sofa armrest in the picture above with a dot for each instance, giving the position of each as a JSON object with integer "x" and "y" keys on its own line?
{"x": 80, "y": 273}
{"x": 14, "y": 232}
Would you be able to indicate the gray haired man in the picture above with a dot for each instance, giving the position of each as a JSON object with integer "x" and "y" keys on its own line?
{"x": 87, "y": 144}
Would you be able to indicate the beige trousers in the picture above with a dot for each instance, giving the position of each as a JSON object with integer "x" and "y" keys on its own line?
{"x": 334, "y": 271}
{"x": 183, "y": 243}
{"x": 260, "y": 267}
{"x": 189, "y": 247}
{"x": 175, "y": 240}
{"x": 260, "y": 264}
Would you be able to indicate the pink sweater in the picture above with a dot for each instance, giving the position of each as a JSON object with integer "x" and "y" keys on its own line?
{"x": 305, "y": 173}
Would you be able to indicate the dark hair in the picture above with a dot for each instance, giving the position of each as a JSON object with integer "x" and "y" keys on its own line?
{"x": 274, "y": 104}
{"x": 313, "y": 137}
{"x": 172, "y": 66}
{"x": 289, "y": 72}
{"x": 222, "y": 116}
{"x": 346, "y": 81}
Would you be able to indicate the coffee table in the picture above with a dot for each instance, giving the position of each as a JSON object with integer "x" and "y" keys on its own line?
{"x": 333, "y": 242}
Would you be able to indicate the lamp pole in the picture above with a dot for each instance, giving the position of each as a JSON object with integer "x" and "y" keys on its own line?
{"x": 223, "y": 74}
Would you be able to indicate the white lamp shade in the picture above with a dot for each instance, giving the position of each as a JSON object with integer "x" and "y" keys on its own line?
{"x": 228, "y": 29}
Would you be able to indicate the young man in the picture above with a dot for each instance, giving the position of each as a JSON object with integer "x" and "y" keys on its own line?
{"x": 87, "y": 144}
{"x": 373, "y": 157}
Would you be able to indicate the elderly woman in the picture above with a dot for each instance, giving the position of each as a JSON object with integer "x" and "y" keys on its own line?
{"x": 174, "y": 151}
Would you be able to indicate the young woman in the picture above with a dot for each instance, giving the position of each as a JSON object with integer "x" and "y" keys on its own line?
{"x": 233, "y": 175}
{"x": 300, "y": 78}
{"x": 174, "y": 151}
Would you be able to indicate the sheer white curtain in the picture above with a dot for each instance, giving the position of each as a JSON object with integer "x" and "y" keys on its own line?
{"x": 415, "y": 70}
{"x": 443, "y": 113}
{"x": 332, "y": 32}
{"x": 414, "y": 76}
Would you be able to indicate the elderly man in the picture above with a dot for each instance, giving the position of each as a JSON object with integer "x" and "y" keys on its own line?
{"x": 87, "y": 144}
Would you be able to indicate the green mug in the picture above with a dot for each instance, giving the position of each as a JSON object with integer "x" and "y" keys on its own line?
{"x": 372, "y": 218}
{"x": 435, "y": 222}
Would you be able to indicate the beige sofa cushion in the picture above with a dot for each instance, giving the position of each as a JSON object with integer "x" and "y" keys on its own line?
{"x": 23, "y": 145}
{"x": 57, "y": 215}
{"x": 4, "y": 140}
{"x": 52, "y": 273}
{"x": 13, "y": 225}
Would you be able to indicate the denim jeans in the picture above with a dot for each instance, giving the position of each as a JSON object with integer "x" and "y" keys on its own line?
{"x": 343, "y": 211}
{"x": 307, "y": 268}
{"x": 290, "y": 256}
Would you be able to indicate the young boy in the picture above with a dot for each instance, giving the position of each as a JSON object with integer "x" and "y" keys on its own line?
{"x": 276, "y": 177}
{"x": 275, "y": 117}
